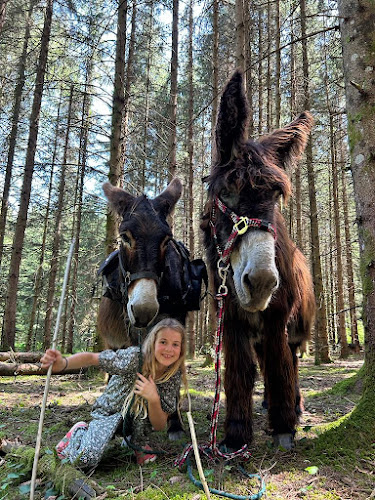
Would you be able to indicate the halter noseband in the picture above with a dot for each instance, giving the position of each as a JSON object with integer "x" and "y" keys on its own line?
{"x": 240, "y": 225}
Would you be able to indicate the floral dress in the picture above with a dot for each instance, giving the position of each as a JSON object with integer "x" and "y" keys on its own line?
{"x": 88, "y": 443}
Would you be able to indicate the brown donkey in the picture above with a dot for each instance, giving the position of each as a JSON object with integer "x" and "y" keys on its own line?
{"x": 270, "y": 305}
{"x": 146, "y": 272}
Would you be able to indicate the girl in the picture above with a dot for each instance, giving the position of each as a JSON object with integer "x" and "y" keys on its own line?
{"x": 152, "y": 397}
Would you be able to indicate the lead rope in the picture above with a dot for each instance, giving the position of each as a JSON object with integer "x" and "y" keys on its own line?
{"x": 212, "y": 451}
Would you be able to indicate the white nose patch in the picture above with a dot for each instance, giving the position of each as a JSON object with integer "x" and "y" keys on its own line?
{"x": 255, "y": 274}
{"x": 143, "y": 303}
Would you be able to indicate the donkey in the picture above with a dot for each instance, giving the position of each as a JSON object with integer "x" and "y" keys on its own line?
{"x": 149, "y": 274}
{"x": 270, "y": 305}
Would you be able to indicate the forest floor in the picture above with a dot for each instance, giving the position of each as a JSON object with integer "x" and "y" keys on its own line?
{"x": 287, "y": 474}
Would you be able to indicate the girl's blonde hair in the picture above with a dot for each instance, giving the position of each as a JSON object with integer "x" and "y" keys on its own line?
{"x": 149, "y": 365}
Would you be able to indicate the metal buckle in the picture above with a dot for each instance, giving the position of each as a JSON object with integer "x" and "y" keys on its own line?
{"x": 242, "y": 225}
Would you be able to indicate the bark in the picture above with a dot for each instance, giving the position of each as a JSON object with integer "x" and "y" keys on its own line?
{"x": 172, "y": 150}
{"x": 249, "y": 43}
{"x": 215, "y": 73}
{"x": 81, "y": 171}
{"x": 3, "y": 4}
{"x": 240, "y": 38}
{"x": 57, "y": 234}
{"x": 9, "y": 331}
{"x": 340, "y": 280}
{"x": 116, "y": 160}
{"x": 191, "y": 166}
{"x": 278, "y": 65}
{"x": 269, "y": 70}
{"x": 129, "y": 80}
{"x": 14, "y": 120}
{"x": 260, "y": 72}
{"x": 147, "y": 98}
{"x": 21, "y": 357}
{"x": 320, "y": 334}
{"x": 349, "y": 256}
{"x": 14, "y": 369}
{"x": 357, "y": 21}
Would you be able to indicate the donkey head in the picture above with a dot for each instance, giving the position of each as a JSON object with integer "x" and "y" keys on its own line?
{"x": 144, "y": 233}
{"x": 249, "y": 177}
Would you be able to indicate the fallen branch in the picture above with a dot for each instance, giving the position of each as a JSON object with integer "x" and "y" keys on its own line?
{"x": 21, "y": 357}
{"x": 10, "y": 369}
{"x": 67, "y": 479}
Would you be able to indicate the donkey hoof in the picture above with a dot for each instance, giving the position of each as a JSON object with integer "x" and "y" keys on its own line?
{"x": 176, "y": 435}
{"x": 285, "y": 441}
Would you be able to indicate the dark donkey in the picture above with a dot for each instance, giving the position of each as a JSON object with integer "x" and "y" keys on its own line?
{"x": 148, "y": 266}
{"x": 271, "y": 304}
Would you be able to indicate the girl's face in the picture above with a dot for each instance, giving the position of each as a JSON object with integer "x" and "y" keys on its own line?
{"x": 167, "y": 347}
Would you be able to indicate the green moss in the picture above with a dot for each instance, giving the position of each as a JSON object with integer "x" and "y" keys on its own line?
{"x": 348, "y": 438}
{"x": 354, "y": 134}
{"x": 349, "y": 385}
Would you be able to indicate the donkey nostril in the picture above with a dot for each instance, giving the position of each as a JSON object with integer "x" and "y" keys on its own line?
{"x": 247, "y": 282}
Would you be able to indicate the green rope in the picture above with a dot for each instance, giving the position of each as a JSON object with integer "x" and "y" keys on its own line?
{"x": 223, "y": 493}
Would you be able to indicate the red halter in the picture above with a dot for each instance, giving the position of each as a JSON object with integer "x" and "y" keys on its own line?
{"x": 240, "y": 225}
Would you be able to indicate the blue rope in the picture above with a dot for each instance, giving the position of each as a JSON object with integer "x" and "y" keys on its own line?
{"x": 224, "y": 493}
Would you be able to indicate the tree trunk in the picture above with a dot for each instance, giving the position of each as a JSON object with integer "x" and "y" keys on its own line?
{"x": 321, "y": 340}
{"x": 8, "y": 338}
{"x": 129, "y": 79}
{"x": 260, "y": 72}
{"x": 240, "y": 38}
{"x": 57, "y": 234}
{"x": 81, "y": 171}
{"x": 340, "y": 280}
{"x": 357, "y": 22}
{"x": 21, "y": 357}
{"x": 172, "y": 149}
{"x": 116, "y": 160}
{"x": 191, "y": 166}
{"x": 3, "y": 4}
{"x": 215, "y": 73}
{"x": 278, "y": 65}
{"x": 14, "y": 120}
{"x": 28, "y": 368}
{"x": 38, "y": 277}
{"x": 249, "y": 43}
{"x": 349, "y": 256}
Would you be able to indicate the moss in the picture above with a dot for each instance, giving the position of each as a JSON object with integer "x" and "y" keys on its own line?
{"x": 354, "y": 134}
{"x": 349, "y": 385}
{"x": 367, "y": 260}
{"x": 349, "y": 437}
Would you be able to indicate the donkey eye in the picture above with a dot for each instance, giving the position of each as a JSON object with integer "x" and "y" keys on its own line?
{"x": 126, "y": 239}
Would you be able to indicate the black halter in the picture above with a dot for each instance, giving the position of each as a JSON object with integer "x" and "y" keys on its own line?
{"x": 130, "y": 277}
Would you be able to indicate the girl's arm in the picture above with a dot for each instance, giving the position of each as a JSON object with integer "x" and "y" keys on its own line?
{"x": 147, "y": 389}
{"x": 80, "y": 360}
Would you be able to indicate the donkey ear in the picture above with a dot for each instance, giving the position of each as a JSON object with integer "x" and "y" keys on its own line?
{"x": 288, "y": 143}
{"x": 231, "y": 120}
{"x": 166, "y": 200}
{"x": 119, "y": 200}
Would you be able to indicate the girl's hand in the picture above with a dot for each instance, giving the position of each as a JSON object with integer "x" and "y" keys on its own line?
{"x": 146, "y": 388}
{"x": 53, "y": 357}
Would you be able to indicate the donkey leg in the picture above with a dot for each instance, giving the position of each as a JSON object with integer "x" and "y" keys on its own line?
{"x": 259, "y": 349}
{"x": 281, "y": 387}
{"x": 240, "y": 373}
{"x": 175, "y": 429}
{"x": 299, "y": 400}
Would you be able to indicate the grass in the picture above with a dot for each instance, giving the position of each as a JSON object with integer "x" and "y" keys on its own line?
{"x": 335, "y": 436}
